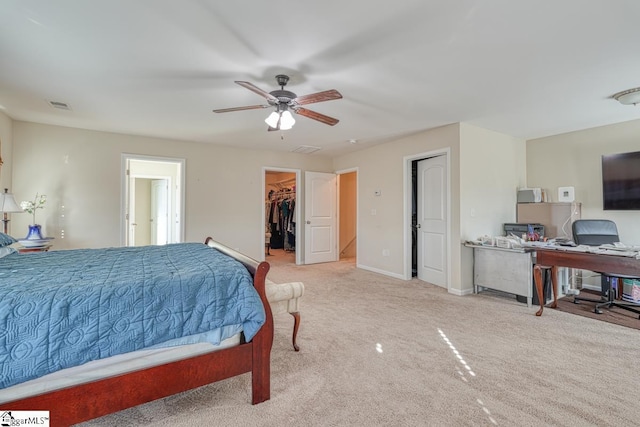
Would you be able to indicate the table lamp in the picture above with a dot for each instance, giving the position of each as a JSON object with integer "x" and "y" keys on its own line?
{"x": 8, "y": 205}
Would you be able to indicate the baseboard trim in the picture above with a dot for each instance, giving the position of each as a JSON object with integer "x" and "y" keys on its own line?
{"x": 460, "y": 292}
{"x": 384, "y": 272}
{"x": 457, "y": 292}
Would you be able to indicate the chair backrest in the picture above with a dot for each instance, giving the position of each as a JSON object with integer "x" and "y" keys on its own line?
{"x": 594, "y": 232}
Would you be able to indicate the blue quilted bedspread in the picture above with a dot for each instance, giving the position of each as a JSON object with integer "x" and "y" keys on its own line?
{"x": 65, "y": 308}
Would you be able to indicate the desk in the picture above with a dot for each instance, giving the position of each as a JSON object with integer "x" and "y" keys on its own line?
{"x": 554, "y": 258}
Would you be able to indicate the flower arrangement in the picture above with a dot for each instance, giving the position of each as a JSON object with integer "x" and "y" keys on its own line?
{"x": 31, "y": 206}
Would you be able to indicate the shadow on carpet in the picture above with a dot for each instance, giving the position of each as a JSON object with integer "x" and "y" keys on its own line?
{"x": 616, "y": 315}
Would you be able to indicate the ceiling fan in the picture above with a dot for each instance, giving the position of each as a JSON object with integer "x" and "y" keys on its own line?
{"x": 284, "y": 102}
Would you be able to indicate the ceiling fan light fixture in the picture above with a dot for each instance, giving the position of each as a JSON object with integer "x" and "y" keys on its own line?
{"x": 286, "y": 120}
{"x": 272, "y": 120}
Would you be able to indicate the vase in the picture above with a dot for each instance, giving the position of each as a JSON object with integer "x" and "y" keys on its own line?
{"x": 35, "y": 232}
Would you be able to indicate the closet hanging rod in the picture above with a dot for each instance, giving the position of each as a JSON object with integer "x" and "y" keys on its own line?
{"x": 276, "y": 194}
{"x": 284, "y": 193}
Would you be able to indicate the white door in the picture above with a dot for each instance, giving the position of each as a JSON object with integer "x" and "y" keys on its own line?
{"x": 159, "y": 212}
{"x": 131, "y": 212}
{"x": 432, "y": 220}
{"x": 320, "y": 203}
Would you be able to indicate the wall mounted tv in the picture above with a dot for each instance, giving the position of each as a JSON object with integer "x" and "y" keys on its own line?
{"x": 621, "y": 181}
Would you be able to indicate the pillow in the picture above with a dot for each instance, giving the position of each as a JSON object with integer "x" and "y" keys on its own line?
{"x": 6, "y": 250}
{"x": 6, "y": 240}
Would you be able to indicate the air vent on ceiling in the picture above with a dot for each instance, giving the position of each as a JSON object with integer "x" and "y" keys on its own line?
{"x": 59, "y": 105}
{"x": 305, "y": 149}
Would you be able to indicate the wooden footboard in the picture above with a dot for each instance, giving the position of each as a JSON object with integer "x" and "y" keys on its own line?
{"x": 94, "y": 399}
{"x": 263, "y": 341}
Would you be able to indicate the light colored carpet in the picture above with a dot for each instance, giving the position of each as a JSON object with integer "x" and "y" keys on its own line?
{"x": 380, "y": 351}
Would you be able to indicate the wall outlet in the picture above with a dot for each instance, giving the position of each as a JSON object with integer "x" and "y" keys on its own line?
{"x": 374, "y": 212}
{"x": 385, "y": 252}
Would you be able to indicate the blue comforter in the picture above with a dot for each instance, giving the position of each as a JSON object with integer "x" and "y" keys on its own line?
{"x": 65, "y": 308}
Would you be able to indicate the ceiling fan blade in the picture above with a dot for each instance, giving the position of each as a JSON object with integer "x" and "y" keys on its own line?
{"x": 249, "y": 107}
{"x": 316, "y": 116}
{"x": 326, "y": 95}
{"x": 270, "y": 129}
{"x": 256, "y": 89}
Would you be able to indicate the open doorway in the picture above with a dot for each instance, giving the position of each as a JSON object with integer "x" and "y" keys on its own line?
{"x": 153, "y": 200}
{"x": 281, "y": 215}
{"x": 348, "y": 215}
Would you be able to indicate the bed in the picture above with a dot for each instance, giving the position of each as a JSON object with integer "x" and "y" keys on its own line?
{"x": 191, "y": 349}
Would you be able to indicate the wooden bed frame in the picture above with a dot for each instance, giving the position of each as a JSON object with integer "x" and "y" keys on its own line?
{"x": 83, "y": 402}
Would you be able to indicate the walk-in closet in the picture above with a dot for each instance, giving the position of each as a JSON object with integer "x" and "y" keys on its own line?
{"x": 280, "y": 215}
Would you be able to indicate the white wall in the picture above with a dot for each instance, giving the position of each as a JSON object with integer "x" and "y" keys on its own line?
{"x": 486, "y": 169}
{"x": 492, "y": 167}
{"x": 382, "y": 168}
{"x": 80, "y": 170}
{"x": 574, "y": 159}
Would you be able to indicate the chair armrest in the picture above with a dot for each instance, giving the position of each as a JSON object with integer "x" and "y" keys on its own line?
{"x": 284, "y": 297}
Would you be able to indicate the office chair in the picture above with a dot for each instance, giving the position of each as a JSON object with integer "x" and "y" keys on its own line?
{"x": 596, "y": 232}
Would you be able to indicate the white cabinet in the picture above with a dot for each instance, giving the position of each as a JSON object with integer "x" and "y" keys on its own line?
{"x": 506, "y": 270}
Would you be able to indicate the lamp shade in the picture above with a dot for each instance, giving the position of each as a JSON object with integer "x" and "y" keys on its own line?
{"x": 286, "y": 121}
{"x": 273, "y": 119}
{"x": 8, "y": 203}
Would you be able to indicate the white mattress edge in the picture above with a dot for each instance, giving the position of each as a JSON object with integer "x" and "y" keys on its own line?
{"x": 111, "y": 366}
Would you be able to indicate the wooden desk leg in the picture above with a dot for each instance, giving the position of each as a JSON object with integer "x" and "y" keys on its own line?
{"x": 554, "y": 285}
{"x": 537, "y": 276}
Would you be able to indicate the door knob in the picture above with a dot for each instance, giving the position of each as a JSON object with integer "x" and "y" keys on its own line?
{"x": 418, "y": 226}
{"x": 308, "y": 222}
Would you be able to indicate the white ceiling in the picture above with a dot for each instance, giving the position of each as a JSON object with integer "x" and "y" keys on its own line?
{"x": 159, "y": 67}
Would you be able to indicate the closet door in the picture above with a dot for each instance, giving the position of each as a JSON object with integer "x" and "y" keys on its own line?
{"x": 432, "y": 221}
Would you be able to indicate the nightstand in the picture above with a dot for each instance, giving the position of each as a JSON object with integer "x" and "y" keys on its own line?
{"x": 26, "y": 246}
{"x": 24, "y": 250}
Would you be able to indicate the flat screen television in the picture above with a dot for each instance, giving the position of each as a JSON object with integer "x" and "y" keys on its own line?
{"x": 621, "y": 181}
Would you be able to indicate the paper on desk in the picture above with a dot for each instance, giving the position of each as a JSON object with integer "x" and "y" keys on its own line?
{"x": 627, "y": 251}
